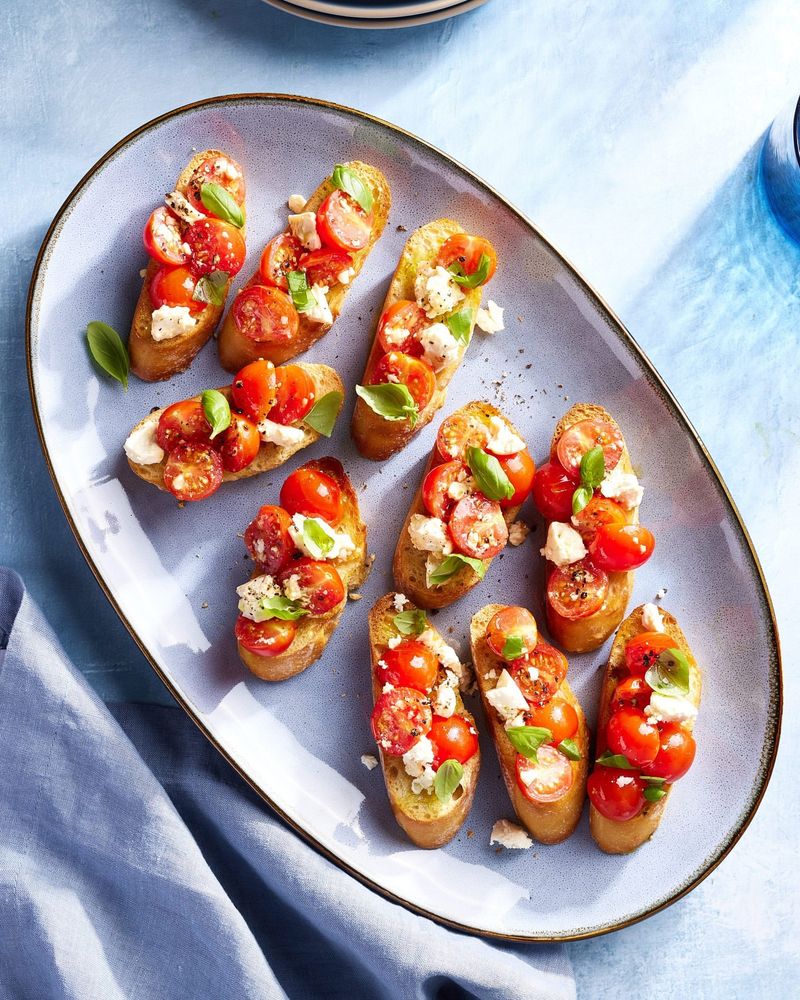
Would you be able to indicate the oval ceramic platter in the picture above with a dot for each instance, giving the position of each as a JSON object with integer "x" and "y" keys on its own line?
{"x": 171, "y": 572}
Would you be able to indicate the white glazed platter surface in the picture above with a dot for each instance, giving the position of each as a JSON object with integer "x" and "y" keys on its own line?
{"x": 171, "y": 572}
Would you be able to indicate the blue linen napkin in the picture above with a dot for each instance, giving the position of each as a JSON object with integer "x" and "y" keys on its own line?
{"x": 135, "y": 863}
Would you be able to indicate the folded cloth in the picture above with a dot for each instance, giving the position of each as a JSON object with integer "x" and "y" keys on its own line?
{"x": 135, "y": 863}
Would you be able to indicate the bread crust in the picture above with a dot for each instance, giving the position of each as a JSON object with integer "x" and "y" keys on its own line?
{"x": 373, "y": 435}
{"x": 612, "y": 836}
{"x": 426, "y": 821}
{"x": 314, "y": 633}
{"x": 235, "y": 350}
{"x": 156, "y": 360}
{"x": 551, "y": 822}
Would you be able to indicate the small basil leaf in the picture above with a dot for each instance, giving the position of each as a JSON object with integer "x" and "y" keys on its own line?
{"x": 653, "y": 794}
{"x": 348, "y": 180}
{"x": 411, "y": 622}
{"x": 447, "y": 779}
{"x": 322, "y": 415}
{"x": 217, "y": 411}
{"x": 669, "y": 674}
{"x": 652, "y": 780}
{"x": 221, "y": 203}
{"x": 527, "y": 739}
{"x": 570, "y": 749}
{"x": 593, "y": 468}
{"x": 211, "y": 288}
{"x": 460, "y": 325}
{"x": 513, "y": 647}
{"x": 609, "y": 759}
{"x": 108, "y": 351}
{"x": 317, "y": 536}
{"x": 302, "y": 296}
{"x": 580, "y": 498}
{"x": 478, "y": 276}
{"x": 391, "y": 400}
{"x": 489, "y": 476}
{"x": 451, "y": 564}
{"x": 281, "y": 607}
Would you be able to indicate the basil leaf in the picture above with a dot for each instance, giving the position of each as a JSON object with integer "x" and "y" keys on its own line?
{"x": 451, "y": 564}
{"x": 609, "y": 759}
{"x": 580, "y": 498}
{"x": 317, "y": 536}
{"x": 447, "y": 779}
{"x": 217, "y": 411}
{"x": 570, "y": 749}
{"x": 527, "y": 739}
{"x": 669, "y": 674}
{"x": 281, "y": 607}
{"x": 513, "y": 647}
{"x": 652, "y": 781}
{"x": 411, "y": 622}
{"x": 347, "y": 180}
{"x": 460, "y": 325}
{"x": 489, "y": 476}
{"x": 108, "y": 351}
{"x": 322, "y": 415}
{"x": 654, "y": 794}
{"x": 391, "y": 400}
{"x": 222, "y": 204}
{"x": 211, "y": 288}
{"x": 302, "y": 296}
{"x": 593, "y": 468}
{"x": 478, "y": 276}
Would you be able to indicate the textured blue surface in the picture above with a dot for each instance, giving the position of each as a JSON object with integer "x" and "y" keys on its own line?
{"x": 630, "y": 135}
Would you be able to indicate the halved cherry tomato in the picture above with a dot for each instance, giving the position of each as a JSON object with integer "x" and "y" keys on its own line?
{"x": 268, "y": 540}
{"x": 453, "y": 739}
{"x": 552, "y": 492}
{"x": 193, "y": 471}
{"x": 313, "y": 493}
{"x": 539, "y": 674}
{"x": 459, "y": 432}
{"x": 254, "y": 389}
{"x": 558, "y": 716}
{"x": 216, "y": 246}
{"x": 320, "y": 583}
{"x": 174, "y": 286}
{"x": 402, "y": 315}
{"x": 633, "y": 692}
{"x": 577, "y": 591}
{"x": 239, "y": 443}
{"x": 399, "y": 718}
{"x": 436, "y": 494}
{"x": 411, "y": 664}
{"x": 180, "y": 422}
{"x": 520, "y": 471}
{"x": 516, "y": 625}
{"x": 267, "y": 638}
{"x": 582, "y": 437}
{"x": 414, "y": 373}
{"x": 675, "y": 753}
{"x": 467, "y": 251}
{"x": 323, "y": 267}
{"x": 596, "y": 514}
{"x": 546, "y": 779}
{"x": 265, "y": 315}
{"x": 630, "y": 733}
{"x": 642, "y": 651}
{"x": 615, "y": 793}
{"x": 280, "y": 256}
{"x": 162, "y": 237}
{"x": 342, "y": 222}
{"x": 216, "y": 170}
{"x": 478, "y": 527}
{"x": 620, "y": 547}
{"x": 295, "y": 394}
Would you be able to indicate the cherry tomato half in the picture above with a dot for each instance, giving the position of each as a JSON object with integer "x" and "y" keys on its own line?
{"x": 216, "y": 246}
{"x": 180, "y": 422}
{"x": 459, "y": 432}
{"x": 478, "y": 527}
{"x": 174, "y": 286}
{"x": 220, "y": 170}
{"x": 313, "y": 493}
{"x": 399, "y": 718}
{"x": 295, "y": 394}
{"x": 582, "y": 437}
{"x": 539, "y": 674}
{"x": 342, "y": 222}
{"x": 323, "y": 267}
{"x": 675, "y": 754}
{"x": 414, "y": 373}
{"x": 615, "y": 793}
{"x": 402, "y": 315}
{"x": 162, "y": 238}
{"x": 254, "y": 389}
{"x": 632, "y": 692}
{"x": 630, "y": 733}
{"x": 436, "y": 488}
{"x": 280, "y": 256}
{"x": 467, "y": 251}
{"x": 453, "y": 739}
{"x": 193, "y": 471}
{"x": 265, "y": 315}
{"x": 239, "y": 443}
{"x": 644, "y": 649}
{"x": 411, "y": 664}
{"x": 546, "y": 779}
{"x": 597, "y": 514}
{"x": 268, "y": 540}
{"x": 513, "y": 625}
{"x": 321, "y": 586}
{"x": 267, "y": 638}
{"x": 558, "y": 716}
{"x": 621, "y": 547}
{"x": 577, "y": 591}
{"x": 552, "y": 492}
{"x": 520, "y": 471}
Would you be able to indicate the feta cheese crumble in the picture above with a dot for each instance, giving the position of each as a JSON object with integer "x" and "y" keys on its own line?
{"x": 394, "y": 336}
{"x": 304, "y": 228}
{"x": 445, "y": 654}
{"x": 443, "y": 701}
{"x": 490, "y": 319}
{"x": 518, "y": 532}
{"x": 170, "y": 321}
{"x": 667, "y": 708}
{"x": 369, "y": 761}
{"x": 623, "y": 487}
{"x": 440, "y": 347}
{"x": 435, "y": 291}
{"x": 141, "y": 446}
{"x": 399, "y": 601}
{"x": 182, "y": 207}
{"x": 346, "y": 276}
{"x": 296, "y": 203}
{"x": 509, "y": 835}
{"x": 342, "y": 545}
{"x": 564, "y": 545}
{"x": 429, "y": 534}
{"x": 502, "y": 440}
{"x": 506, "y": 698}
{"x": 320, "y": 312}
{"x": 417, "y": 763}
{"x": 651, "y": 618}
{"x": 280, "y": 434}
{"x": 252, "y": 593}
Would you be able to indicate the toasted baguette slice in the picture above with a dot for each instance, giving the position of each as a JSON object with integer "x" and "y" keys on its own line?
{"x": 612, "y": 836}
{"x": 236, "y": 350}
{"x": 156, "y": 360}
{"x": 551, "y": 822}
{"x": 269, "y": 456}
{"x": 409, "y": 563}
{"x": 426, "y": 820}
{"x": 374, "y": 436}
{"x": 585, "y": 634}
{"x": 313, "y": 633}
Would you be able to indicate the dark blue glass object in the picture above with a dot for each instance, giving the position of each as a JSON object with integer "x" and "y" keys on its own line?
{"x": 780, "y": 169}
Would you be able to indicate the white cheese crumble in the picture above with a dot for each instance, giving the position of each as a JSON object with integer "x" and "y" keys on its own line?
{"x": 666, "y": 708}
{"x": 141, "y": 446}
{"x": 509, "y": 835}
{"x": 435, "y": 290}
{"x": 343, "y": 544}
{"x": 394, "y": 336}
{"x": 623, "y": 487}
{"x": 304, "y": 228}
{"x": 502, "y": 440}
{"x": 445, "y": 654}
{"x": 443, "y": 701}
{"x": 280, "y": 434}
{"x": 651, "y": 618}
{"x": 170, "y": 321}
{"x": 417, "y": 763}
{"x": 564, "y": 545}
{"x": 296, "y": 203}
{"x": 506, "y": 698}
{"x": 182, "y": 207}
{"x": 429, "y": 534}
{"x": 661, "y": 594}
{"x": 252, "y": 593}
{"x": 399, "y": 601}
{"x": 292, "y": 588}
{"x": 321, "y": 311}
{"x": 226, "y": 168}
{"x": 370, "y": 761}
{"x": 346, "y": 276}
{"x": 518, "y": 532}
{"x": 490, "y": 319}
{"x": 440, "y": 347}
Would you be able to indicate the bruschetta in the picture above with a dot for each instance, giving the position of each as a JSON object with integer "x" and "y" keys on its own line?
{"x": 538, "y": 727}
{"x": 478, "y": 475}
{"x": 648, "y": 706}
{"x": 590, "y": 496}
{"x": 307, "y": 553}
{"x": 255, "y": 424}
{"x": 427, "y": 739}
{"x": 196, "y": 247}
{"x": 422, "y": 334}
{"x": 305, "y": 272}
